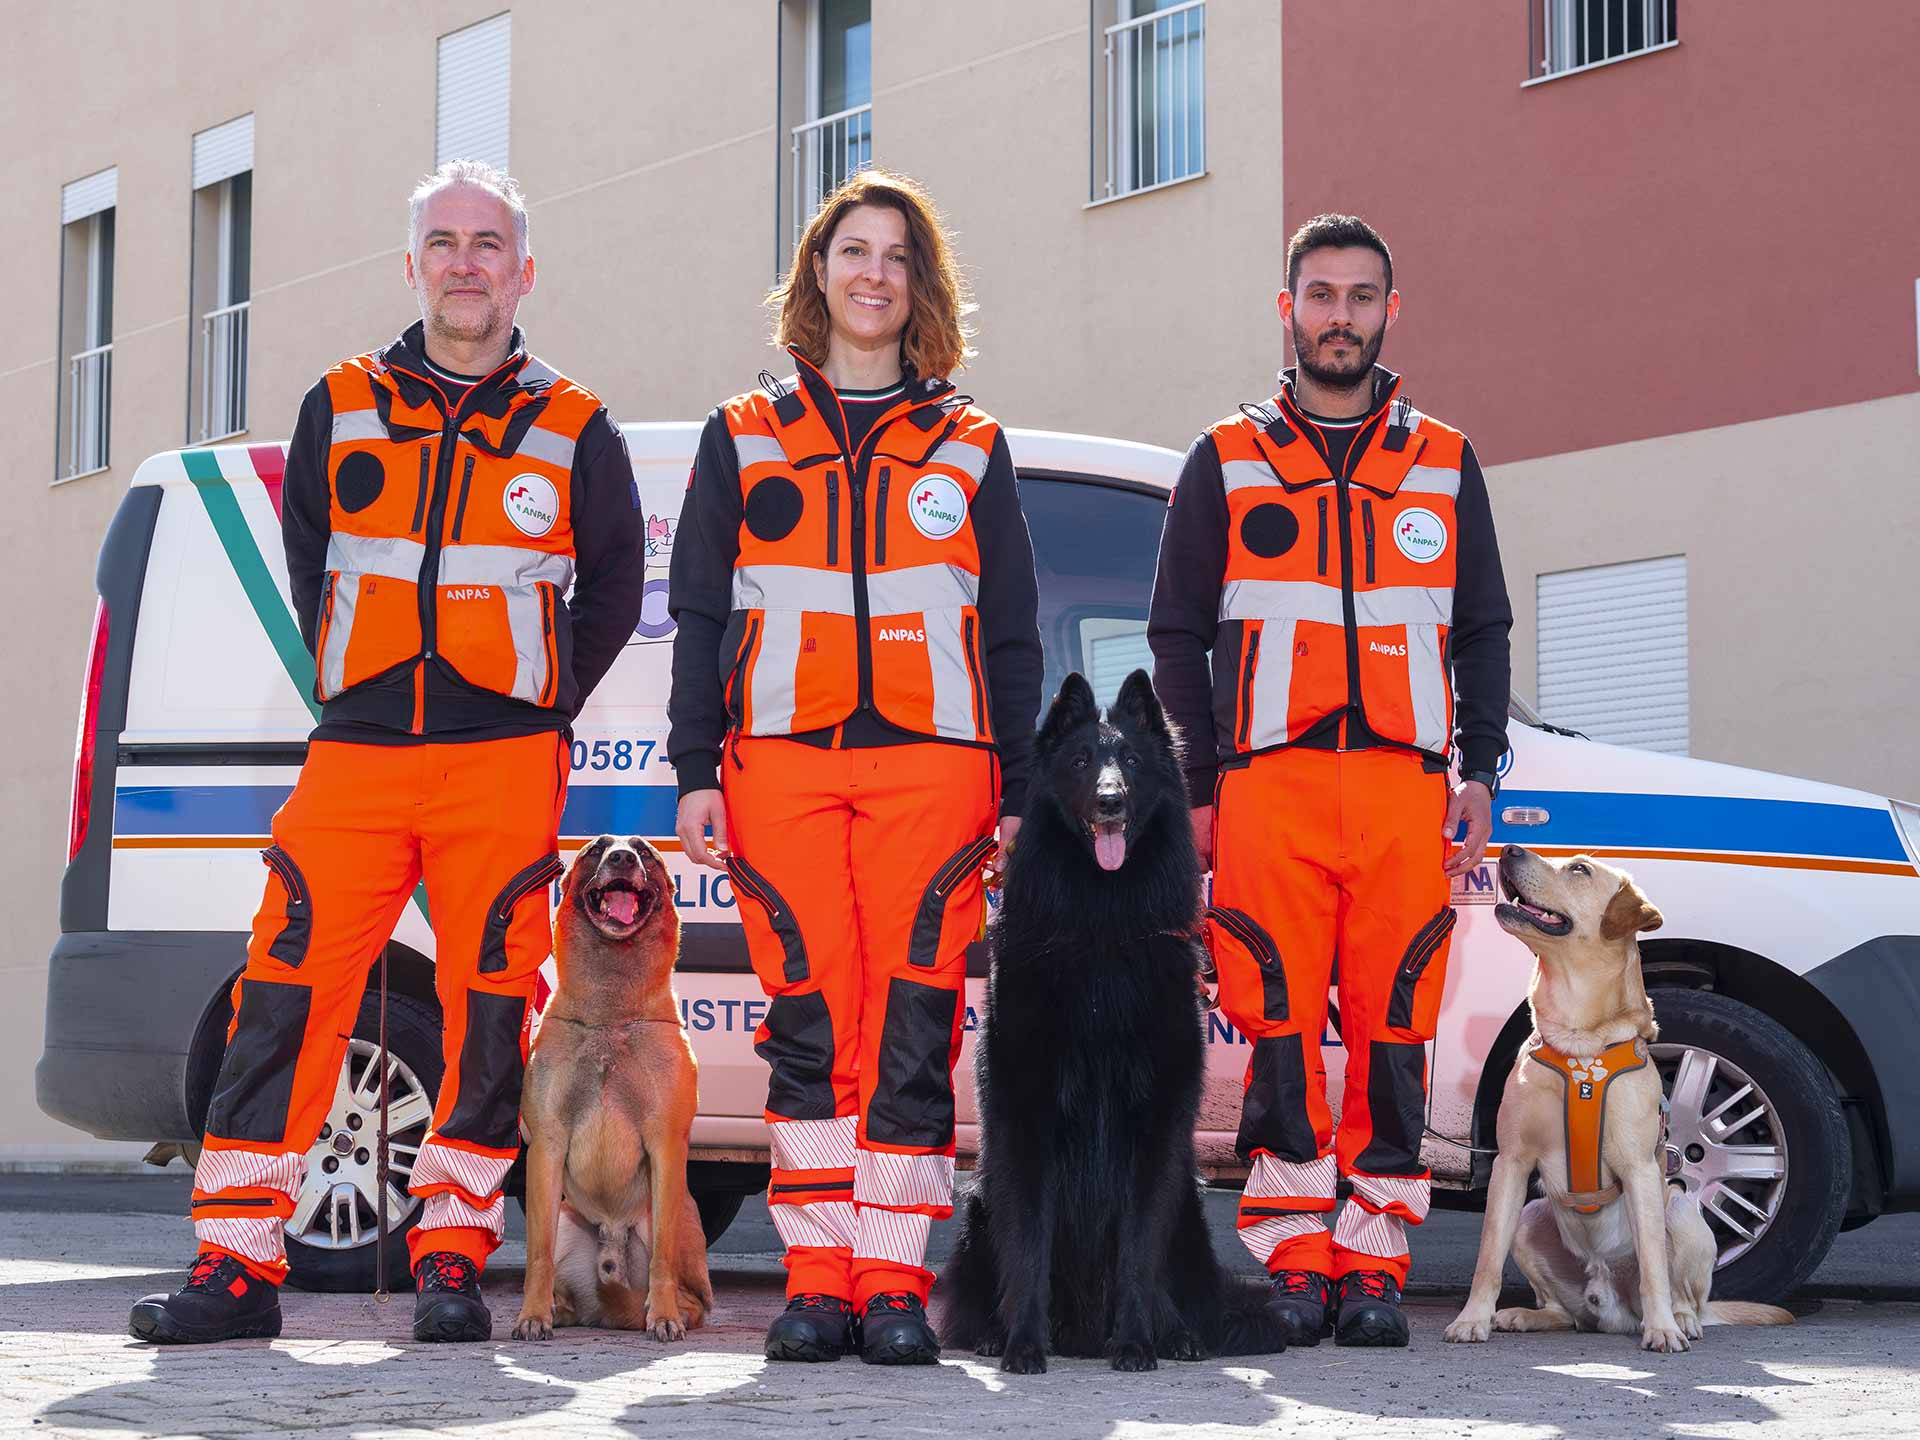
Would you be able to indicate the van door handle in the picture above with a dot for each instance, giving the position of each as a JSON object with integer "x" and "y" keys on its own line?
{"x": 1524, "y": 815}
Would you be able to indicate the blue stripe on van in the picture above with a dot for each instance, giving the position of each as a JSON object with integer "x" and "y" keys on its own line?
{"x": 645, "y": 810}
{"x": 1701, "y": 822}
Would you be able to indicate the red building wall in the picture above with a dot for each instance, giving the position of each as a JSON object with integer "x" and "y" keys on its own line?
{"x": 1704, "y": 235}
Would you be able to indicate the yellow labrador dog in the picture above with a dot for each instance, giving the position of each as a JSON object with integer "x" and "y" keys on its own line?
{"x": 1610, "y": 1248}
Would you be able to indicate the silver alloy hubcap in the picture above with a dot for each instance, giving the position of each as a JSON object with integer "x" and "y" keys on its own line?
{"x": 1725, "y": 1145}
{"x": 339, "y": 1208}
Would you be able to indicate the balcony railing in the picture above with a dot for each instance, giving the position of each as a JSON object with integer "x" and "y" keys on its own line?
{"x": 825, "y": 152}
{"x": 1156, "y": 98}
{"x": 90, "y": 386}
{"x": 223, "y": 372}
{"x": 1570, "y": 35}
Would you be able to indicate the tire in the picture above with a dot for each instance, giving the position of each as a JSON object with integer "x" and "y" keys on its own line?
{"x": 717, "y": 1209}
{"x": 413, "y": 1038}
{"x": 1773, "y": 1229}
{"x": 719, "y": 1189}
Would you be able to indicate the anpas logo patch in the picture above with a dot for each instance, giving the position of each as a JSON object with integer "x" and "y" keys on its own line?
{"x": 1420, "y": 535}
{"x": 532, "y": 504}
{"x": 937, "y": 507}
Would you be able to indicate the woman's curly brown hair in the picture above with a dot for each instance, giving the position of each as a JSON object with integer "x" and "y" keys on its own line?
{"x": 934, "y": 344}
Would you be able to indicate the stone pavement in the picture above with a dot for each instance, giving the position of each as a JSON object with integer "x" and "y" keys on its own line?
{"x": 345, "y": 1367}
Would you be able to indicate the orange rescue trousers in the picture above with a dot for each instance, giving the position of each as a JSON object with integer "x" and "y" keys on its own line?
{"x": 1319, "y": 854}
{"x": 365, "y": 823}
{"x": 857, "y": 874}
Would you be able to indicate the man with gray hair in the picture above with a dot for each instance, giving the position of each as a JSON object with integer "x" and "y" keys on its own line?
{"x": 442, "y": 495}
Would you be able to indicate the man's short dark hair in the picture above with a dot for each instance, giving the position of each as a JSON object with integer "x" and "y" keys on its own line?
{"x": 1335, "y": 232}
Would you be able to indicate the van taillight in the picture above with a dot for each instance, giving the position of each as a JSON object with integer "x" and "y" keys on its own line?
{"x": 83, "y": 741}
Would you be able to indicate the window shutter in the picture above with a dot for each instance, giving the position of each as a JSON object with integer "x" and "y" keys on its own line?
{"x": 475, "y": 79}
{"x": 223, "y": 152}
{"x": 1111, "y": 658}
{"x": 1613, "y": 652}
{"x": 89, "y": 196}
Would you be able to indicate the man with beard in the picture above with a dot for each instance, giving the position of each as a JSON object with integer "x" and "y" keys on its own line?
{"x": 441, "y": 496}
{"x": 1333, "y": 549}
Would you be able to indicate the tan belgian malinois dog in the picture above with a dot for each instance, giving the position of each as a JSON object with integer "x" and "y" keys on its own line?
{"x": 1611, "y": 1247}
{"x": 613, "y": 1237}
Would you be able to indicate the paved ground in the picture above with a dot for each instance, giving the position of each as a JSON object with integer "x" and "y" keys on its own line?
{"x": 75, "y": 1251}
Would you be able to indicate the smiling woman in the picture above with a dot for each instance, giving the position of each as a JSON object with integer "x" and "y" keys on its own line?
{"x": 854, "y": 592}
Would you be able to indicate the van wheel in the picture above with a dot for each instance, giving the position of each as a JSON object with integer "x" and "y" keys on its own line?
{"x": 719, "y": 1188}
{"x": 330, "y": 1236}
{"x": 1755, "y": 1132}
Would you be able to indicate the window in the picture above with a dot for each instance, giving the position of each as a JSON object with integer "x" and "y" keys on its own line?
{"x": 1152, "y": 130}
{"x": 836, "y": 138}
{"x": 1094, "y": 548}
{"x": 1613, "y": 652}
{"x": 475, "y": 70}
{"x": 85, "y": 395}
{"x": 222, "y": 280}
{"x": 1574, "y": 34}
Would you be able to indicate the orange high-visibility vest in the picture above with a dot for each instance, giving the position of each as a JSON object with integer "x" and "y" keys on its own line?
{"x": 455, "y": 544}
{"x": 846, "y": 594}
{"x": 1338, "y": 591}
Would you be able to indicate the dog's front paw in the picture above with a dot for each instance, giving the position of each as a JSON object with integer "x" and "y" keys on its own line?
{"x": 1132, "y": 1355}
{"x": 1023, "y": 1357}
{"x": 1666, "y": 1339}
{"x": 1689, "y": 1323}
{"x": 665, "y": 1327}
{"x": 533, "y": 1327}
{"x": 992, "y": 1345}
{"x": 1469, "y": 1329}
{"x": 1182, "y": 1345}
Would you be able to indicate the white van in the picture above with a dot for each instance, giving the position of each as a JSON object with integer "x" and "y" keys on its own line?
{"x": 1787, "y": 976}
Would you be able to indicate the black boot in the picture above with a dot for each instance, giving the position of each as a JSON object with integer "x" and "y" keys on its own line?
{"x": 449, "y": 1305}
{"x": 222, "y": 1300}
{"x": 1369, "y": 1310}
{"x": 812, "y": 1328}
{"x": 1302, "y": 1303}
{"x": 894, "y": 1331}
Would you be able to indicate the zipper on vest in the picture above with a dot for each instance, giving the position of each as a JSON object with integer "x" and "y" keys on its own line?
{"x": 466, "y": 484}
{"x": 420, "y": 496}
{"x": 1246, "y": 686}
{"x": 1366, "y": 523}
{"x": 1322, "y": 503}
{"x": 980, "y": 725}
{"x": 880, "y": 518}
{"x": 833, "y": 518}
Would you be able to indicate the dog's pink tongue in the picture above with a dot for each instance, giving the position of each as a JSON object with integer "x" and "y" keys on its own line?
{"x": 1110, "y": 846}
{"x": 622, "y": 906}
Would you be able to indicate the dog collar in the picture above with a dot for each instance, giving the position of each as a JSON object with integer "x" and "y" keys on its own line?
{"x": 1585, "y": 1080}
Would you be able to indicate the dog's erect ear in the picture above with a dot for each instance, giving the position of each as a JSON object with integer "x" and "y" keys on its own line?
{"x": 1628, "y": 913}
{"x": 1072, "y": 708}
{"x": 1137, "y": 708}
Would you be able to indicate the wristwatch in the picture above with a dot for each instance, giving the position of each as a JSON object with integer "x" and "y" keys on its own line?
{"x": 1485, "y": 777}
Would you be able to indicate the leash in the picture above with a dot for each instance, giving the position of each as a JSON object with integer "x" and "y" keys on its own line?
{"x": 380, "y": 1293}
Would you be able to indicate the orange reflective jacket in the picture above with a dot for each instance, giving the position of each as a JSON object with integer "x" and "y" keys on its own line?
{"x": 857, "y": 576}
{"x": 449, "y": 536}
{"x": 1338, "y": 591}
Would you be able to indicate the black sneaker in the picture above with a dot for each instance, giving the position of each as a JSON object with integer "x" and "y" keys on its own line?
{"x": 449, "y": 1305}
{"x": 222, "y": 1300}
{"x": 1369, "y": 1310}
{"x": 812, "y": 1328}
{"x": 1302, "y": 1301}
{"x": 894, "y": 1331}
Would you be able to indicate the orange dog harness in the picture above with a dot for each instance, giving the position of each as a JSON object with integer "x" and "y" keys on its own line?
{"x": 1585, "y": 1080}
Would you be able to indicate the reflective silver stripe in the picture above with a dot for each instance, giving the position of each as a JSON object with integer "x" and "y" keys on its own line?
{"x": 1431, "y": 480}
{"x": 794, "y": 588}
{"x": 952, "y": 680}
{"x": 959, "y": 455}
{"x": 1274, "y": 599}
{"x": 1404, "y": 605}
{"x": 1272, "y": 682}
{"x": 771, "y": 695}
{"x": 1244, "y": 474}
{"x": 333, "y": 654}
{"x": 920, "y": 587}
{"x": 507, "y": 565}
{"x": 358, "y": 425}
{"x": 548, "y": 446}
{"x": 388, "y": 557}
{"x": 1427, "y": 680}
{"x": 529, "y": 643}
{"x": 757, "y": 450}
{"x": 536, "y": 373}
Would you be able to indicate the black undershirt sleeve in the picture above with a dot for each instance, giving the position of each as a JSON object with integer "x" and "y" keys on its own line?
{"x": 700, "y": 598}
{"x": 609, "y": 553}
{"x": 1478, "y": 648}
{"x": 1009, "y": 608}
{"x": 306, "y": 509}
{"x": 1184, "y": 615}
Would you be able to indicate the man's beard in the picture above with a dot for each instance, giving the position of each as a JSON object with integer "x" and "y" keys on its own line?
{"x": 1353, "y": 374}
{"x": 466, "y": 332}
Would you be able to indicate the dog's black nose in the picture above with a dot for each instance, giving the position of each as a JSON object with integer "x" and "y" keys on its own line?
{"x": 620, "y": 858}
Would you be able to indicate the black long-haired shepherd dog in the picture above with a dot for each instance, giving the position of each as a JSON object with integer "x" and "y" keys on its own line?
{"x": 1083, "y": 1234}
